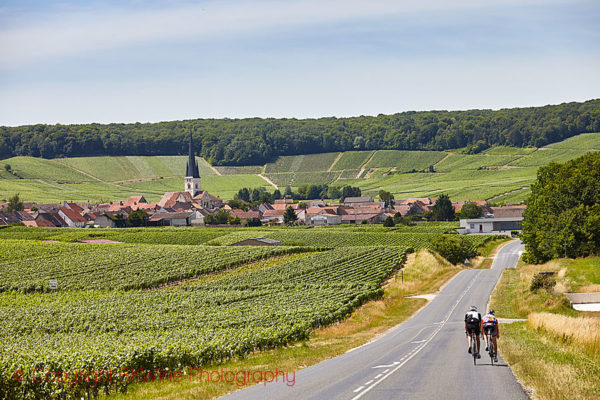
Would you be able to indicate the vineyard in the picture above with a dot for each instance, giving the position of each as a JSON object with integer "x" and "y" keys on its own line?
{"x": 116, "y": 266}
{"x": 150, "y": 306}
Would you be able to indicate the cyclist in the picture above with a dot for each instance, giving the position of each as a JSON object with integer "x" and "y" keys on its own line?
{"x": 490, "y": 329}
{"x": 473, "y": 326}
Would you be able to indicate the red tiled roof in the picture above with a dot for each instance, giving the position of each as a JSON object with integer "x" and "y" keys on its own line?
{"x": 245, "y": 214}
{"x": 72, "y": 215}
{"x": 274, "y": 213}
{"x": 169, "y": 215}
{"x": 358, "y": 217}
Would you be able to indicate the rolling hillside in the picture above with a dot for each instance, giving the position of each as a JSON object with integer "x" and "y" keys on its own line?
{"x": 500, "y": 173}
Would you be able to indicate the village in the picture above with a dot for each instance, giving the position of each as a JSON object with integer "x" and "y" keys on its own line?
{"x": 197, "y": 207}
{"x": 181, "y": 209}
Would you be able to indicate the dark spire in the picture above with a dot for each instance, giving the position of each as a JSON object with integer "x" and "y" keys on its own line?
{"x": 192, "y": 167}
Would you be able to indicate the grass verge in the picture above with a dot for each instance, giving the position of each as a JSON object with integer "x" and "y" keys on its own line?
{"x": 424, "y": 273}
{"x": 548, "y": 366}
{"x": 556, "y": 353}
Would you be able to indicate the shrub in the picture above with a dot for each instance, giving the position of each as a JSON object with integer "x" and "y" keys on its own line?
{"x": 454, "y": 249}
{"x": 542, "y": 281}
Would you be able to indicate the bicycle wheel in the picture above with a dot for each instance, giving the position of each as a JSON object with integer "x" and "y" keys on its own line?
{"x": 491, "y": 352}
{"x": 474, "y": 349}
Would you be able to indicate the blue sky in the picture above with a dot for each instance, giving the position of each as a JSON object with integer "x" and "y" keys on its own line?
{"x": 129, "y": 61}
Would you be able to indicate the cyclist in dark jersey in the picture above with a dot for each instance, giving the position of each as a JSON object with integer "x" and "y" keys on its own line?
{"x": 473, "y": 323}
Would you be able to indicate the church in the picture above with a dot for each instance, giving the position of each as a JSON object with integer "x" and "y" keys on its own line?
{"x": 193, "y": 192}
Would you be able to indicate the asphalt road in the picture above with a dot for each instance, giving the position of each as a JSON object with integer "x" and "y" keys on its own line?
{"x": 423, "y": 358}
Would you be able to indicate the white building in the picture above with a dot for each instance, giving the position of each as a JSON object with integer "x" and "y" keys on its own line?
{"x": 491, "y": 225}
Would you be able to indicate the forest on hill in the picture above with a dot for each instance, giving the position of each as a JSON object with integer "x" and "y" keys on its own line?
{"x": 255, "y": 141}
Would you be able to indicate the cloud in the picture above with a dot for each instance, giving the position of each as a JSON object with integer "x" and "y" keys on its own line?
{"x": 68, "y": 33}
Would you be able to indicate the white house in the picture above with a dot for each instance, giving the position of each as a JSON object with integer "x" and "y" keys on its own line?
{"x": 491, "y": 225}
{"x": 324, "y": 219}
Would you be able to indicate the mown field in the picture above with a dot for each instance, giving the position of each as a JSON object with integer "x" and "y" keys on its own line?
{"x": 140, "y": 307}
{"x": 498, "y": 174}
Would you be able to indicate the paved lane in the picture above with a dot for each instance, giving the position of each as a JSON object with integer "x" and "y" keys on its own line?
{"x": 423, "y": 358}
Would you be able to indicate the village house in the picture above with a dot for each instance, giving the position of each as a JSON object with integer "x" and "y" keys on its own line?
{"x": 71, "y": 217}
{"x": 166, "y": 218}
{"x": 502, "y": 221}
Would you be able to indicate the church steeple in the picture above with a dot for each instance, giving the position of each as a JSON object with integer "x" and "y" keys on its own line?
{"x": 192, "y": 166}
{"x": 192, "y": 176}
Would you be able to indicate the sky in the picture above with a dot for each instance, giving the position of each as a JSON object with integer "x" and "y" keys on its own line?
{"x": 147, "y": 60}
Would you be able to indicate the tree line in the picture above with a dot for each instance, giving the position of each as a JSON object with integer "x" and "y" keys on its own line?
{"x": 256, "y": 140}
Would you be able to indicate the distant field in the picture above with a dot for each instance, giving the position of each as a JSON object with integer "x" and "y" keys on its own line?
{"x": 499, "y": 173}
{"x": 509, "y": 150}
{"x": 352, "y": 160}
{"x": 405, "y": 161}
{"x": 307, "y": 162}
{"x": 545, "y": 156}
{"x": 303, "y": 178}
{"x": 38, "y": 168}
{"x": 249, "y": 169}
{"x": 470, "y": 162}
{"x": 586, "y": 141}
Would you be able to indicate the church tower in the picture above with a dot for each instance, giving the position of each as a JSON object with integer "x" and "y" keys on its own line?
{"x": 192, "y": 176}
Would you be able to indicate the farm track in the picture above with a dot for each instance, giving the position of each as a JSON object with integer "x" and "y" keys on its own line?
{"x": 362, "y": 167}
{"x": 270, "y": 182}
{"x": 335, "y": 161}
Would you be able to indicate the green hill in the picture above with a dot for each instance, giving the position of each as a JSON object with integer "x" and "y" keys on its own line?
{"x": 498, "y": 174}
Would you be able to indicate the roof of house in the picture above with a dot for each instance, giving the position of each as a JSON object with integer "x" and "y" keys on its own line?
{"x": 245, "y": 214}
{"x": 281, "y": 206}
{"x": 358, "y": 199}
{"x": 361, "y": 210}
{"x": 358, "y": 217}
{"x": 492, "y": 220}
{"x": 170, "y": 215}
{"x": 403, "y": 209}
{"x": 10, "y": 217}
{"x": 170, "y": 198}
{"x": 283, "y": 201}
{"x": 274, "y": 213}
{"x": 325, "y": 214}
{"x": 75, "y": 207}
{"x": 72, "y": 215}
{"x": 204, "y": 194}
{"x": 508, "y": 212}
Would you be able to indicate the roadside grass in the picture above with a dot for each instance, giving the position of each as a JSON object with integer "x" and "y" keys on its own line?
{"x": 557, "y": 351}
{"x": 577, "y": 330}
{"x": 424, "y": 272}
{"x": 513, "y": 299}
{"x": 548, "y": 365}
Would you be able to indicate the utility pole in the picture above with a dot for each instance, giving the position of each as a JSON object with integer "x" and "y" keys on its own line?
{"x": 565, "y": 244}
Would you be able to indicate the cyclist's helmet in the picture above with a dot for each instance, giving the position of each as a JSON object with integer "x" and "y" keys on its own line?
{"x": 473, "y": 308}
{"x": 491, "y": 312}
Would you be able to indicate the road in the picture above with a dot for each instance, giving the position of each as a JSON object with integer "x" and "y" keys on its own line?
{"x": 425, "y": 357}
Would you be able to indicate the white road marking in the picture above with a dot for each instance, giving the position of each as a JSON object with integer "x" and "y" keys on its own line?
{"x": 358, "y": 389}
{"x": 418, "y": 341}
{"x": 385, "y": 372}
{"x": 390, "y": 365}
{"x": 417, "y": 349}
{"x": 369, "y": 382}
{"x": 377, "y": 376}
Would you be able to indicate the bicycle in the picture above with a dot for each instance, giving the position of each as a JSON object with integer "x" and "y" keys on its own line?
{"x": 490, "y": 346}
{"x": 474, "y": 352}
